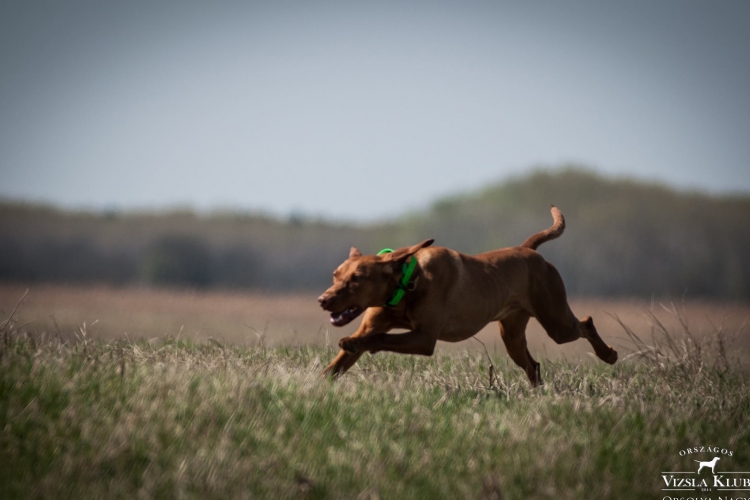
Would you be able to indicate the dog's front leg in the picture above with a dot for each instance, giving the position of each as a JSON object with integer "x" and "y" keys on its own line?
{"x": 341, "y": 363}
{"x": 414, "y": 342}
{"x": 375, "y": 319}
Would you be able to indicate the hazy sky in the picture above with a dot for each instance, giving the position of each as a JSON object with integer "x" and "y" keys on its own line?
{"x": 362, "y": 109}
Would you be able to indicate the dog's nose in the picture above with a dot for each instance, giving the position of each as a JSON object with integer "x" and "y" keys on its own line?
{"x": 324, "y": 301}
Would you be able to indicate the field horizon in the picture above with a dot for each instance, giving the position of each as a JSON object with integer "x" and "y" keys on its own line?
{"x": 241, "y": 318}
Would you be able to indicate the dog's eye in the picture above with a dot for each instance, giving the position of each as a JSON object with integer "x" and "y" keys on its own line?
{"x": 355, "y": 278}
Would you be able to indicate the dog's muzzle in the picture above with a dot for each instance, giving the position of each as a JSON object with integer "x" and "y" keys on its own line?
{"x": 339, "y": 318}
{"x": 346, "y": 316}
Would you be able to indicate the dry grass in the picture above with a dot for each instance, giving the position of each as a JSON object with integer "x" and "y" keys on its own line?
{"x": 151, "y": 393}
{"x": 145, "y": 313}
{"x": 238, "y": 318}
{"x": 92, "y": 418}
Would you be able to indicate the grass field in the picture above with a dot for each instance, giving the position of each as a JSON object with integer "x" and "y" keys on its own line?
{"x": 162, "y": 414}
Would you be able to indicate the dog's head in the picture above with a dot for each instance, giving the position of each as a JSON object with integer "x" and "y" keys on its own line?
{"x": 363, "y": 281}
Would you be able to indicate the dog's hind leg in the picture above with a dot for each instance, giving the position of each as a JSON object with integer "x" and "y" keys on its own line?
{"x": 551, "y": 309}
{"x": 513, "y": 332}
{"x": 568, "y": 329}
{"x": 604, "y": 351}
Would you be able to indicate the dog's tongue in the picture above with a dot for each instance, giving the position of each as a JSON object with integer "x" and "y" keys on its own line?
{"x": 345, "y": 316}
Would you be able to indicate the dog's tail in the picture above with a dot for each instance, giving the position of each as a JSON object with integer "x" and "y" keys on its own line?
{"x": 551, "y": 233}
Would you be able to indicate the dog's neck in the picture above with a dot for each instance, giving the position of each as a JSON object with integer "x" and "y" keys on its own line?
{"x": 406, "y": 282}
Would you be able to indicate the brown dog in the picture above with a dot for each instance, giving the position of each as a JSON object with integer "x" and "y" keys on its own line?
{"x": 451, "y": 296}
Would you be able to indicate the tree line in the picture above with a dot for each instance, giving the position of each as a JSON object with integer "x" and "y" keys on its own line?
{"x": 623, "y": 238}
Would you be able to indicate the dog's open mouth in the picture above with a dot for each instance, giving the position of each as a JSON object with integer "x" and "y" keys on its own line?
{"x": 345, "y": 316}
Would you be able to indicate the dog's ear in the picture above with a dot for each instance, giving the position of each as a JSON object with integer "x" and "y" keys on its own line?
{"x": 353, "y": 252}
{"x": 402, "y": 253}
{"x": 413, "y": 249}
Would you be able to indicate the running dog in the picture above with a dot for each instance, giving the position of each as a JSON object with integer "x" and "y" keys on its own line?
{"x": 440, "y": 294}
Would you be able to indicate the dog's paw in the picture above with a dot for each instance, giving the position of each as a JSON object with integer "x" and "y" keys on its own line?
{"x": 606, "y": 353}
{"x": 328, "y": 373}
{"x": 350, "y": 345}
{"x": 331, "y": 373}
{"x": 610, "y": 357}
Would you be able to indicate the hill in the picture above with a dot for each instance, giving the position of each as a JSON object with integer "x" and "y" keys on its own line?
{"x": 623, "y": 237}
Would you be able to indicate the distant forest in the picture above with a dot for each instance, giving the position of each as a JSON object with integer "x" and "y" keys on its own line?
{"x": 623, "y": 238}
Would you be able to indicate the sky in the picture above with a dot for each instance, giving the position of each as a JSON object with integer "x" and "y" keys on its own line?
{"x": 363, "y": 110}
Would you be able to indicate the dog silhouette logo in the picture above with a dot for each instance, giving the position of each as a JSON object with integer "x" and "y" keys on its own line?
{"x": 721, "y": 481}
{"x": 708, "y": 465}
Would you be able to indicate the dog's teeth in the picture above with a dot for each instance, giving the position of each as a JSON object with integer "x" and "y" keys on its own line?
{"x": 345, "y": 316}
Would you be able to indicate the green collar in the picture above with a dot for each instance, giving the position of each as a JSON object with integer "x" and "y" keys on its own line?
{"x": 405, "y": 283}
